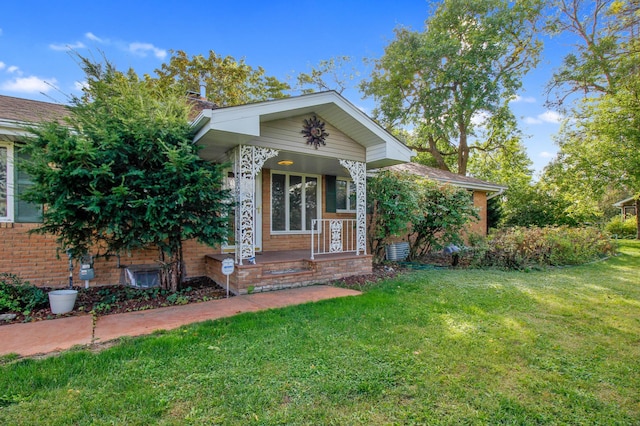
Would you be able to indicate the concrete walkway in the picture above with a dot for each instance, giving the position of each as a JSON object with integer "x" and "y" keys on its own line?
{"x": 54, "y": 335}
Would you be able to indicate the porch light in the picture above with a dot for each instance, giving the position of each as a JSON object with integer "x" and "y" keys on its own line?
{"x": 285, "y": 162}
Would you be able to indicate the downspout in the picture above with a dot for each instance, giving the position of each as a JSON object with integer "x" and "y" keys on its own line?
{"x": 500, "y": 192}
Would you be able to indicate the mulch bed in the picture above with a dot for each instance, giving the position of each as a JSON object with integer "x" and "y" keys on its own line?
{"x": 115, "y": 299}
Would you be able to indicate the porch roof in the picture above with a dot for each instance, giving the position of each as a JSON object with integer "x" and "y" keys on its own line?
{"x": 219, "y": 130}
{"x": 626, "y": 202}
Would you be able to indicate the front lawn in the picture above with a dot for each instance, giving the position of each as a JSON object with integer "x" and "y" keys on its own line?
{"x": 428, "y": 347}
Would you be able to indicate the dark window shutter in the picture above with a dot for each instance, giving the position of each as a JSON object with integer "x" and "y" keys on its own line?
{"x": 330, "y": 198}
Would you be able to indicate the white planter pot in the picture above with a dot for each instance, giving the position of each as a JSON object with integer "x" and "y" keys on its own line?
{"x": 62, "y": 301}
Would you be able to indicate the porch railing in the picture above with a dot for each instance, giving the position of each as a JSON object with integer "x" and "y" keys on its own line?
{"x": 333, "y": 236}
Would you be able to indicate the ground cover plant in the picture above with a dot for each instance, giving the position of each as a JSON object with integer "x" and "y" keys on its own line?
{"x": 443, "y": 346}
{"x": 29, "y": 303}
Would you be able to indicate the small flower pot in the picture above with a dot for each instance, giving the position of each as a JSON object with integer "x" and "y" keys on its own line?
{"x": 62, "y": 301}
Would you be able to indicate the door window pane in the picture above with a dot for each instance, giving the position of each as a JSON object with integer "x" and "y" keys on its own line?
{"x": 295, "y": 203}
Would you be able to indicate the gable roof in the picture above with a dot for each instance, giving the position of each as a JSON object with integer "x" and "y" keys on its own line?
{"x": 18, "y": 112}
{"x": 444, "y": 176}
{"x": 222, "y": 128}
{"x": 30, "y": 111}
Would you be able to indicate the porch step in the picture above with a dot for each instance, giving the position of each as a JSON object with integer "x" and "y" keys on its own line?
{"x": 290, "y": 271}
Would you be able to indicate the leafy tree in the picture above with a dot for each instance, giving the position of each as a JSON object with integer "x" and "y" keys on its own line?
{"x": 443, "y": 212}
{"x": 601, "y": 28}
{"x": 427, "y": 214}
{"x": 446, "y": 82}
{"x": 599, "y": 146}
{"x": 123, "y": 174}
{"x": 394, "y": 202}
{"x": 329, "y": 74}
{"x": 507, "y": 165}
{"x": 228, "y": 82}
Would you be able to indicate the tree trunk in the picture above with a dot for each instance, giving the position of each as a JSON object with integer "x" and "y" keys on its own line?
{"x": 463, "y": 150}
{"x": 171, "y": 273}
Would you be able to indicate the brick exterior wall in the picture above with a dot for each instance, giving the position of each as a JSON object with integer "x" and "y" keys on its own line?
{"x": 34, "y": 258}
{"x": 287, "y": 274}
{"x": 479, "y": 227}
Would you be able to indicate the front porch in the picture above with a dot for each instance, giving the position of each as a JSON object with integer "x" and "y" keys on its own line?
{"x": 276, "y": 270}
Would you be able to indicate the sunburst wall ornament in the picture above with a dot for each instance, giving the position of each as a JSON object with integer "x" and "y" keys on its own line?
{"x": 313, "y": 131}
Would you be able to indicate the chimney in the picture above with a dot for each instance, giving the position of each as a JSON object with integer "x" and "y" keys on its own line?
{"x": 203, "y": 89}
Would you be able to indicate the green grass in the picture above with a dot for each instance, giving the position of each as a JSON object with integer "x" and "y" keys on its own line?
{"x": 432, "y": 347}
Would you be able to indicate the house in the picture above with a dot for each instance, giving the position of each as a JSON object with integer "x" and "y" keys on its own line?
{"x": 627, "y": 207}
{"x": 481, "y": 191}
{"x": 298, "y": 171}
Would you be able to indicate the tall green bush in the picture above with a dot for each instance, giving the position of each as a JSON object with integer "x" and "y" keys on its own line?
{"x": 622, "y": 228}
{"x": 393, "y": 201}
{"x": 441, "y": 217}
{"x": 428, "y": 215}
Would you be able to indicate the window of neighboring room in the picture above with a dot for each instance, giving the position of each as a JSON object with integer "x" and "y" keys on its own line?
{"x": 294, "y": 202}
{"x": 345, "y": 195}
{"x": 25, "y": 211}
{"x": 13, "y": 182}
{"x": 6, "y": 182}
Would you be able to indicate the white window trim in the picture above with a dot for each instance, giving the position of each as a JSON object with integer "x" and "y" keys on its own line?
{"x": 287, "y": 216}
{"x": 10, "y": 183}
{"x": 350, "y": 208}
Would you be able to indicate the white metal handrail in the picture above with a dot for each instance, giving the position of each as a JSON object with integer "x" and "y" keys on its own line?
{"x": 333, "y": 236}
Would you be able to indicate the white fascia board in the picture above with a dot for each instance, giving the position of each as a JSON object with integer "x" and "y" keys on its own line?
{"x": 621, "y": 203}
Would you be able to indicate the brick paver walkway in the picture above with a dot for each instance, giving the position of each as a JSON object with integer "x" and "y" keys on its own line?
{"x": 60, "y": 334}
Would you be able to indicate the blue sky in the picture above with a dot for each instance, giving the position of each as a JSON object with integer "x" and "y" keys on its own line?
{"x": 284, "y": 37}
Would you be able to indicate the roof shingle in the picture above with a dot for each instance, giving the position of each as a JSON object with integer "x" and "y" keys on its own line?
{"x": 30, "y": 111}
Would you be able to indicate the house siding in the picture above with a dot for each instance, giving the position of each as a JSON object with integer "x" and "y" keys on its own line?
{"x": 285, "y": 135}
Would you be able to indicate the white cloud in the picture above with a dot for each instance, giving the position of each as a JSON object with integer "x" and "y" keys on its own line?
{"x": 79, "y": 85}
{"x": 29, "y": 85}
{"x": 91, "y": 36}
{"x": 2, "y": 65}
{"x": 546, "y": 154}
{"x": 142, "y": 49}
{"x": 550, "y": 117}
{"x": 480, "y": 118}
{"x": 545, "y": 117}
{"x": 14, "y": 70}
{"x": 527, "y": 100}
{"x": 64, "y": 47}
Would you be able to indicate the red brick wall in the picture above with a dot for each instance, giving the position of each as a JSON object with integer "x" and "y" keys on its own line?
{"x": 480, "y": 226}
{"x": 265, "y": 277}
{"x": 33, "y": 258}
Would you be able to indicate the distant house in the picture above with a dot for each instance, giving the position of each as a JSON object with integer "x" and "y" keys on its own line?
{"x": 481, "y": 190}
{"x": 298, "y": 173}
{"x": 627, "y": 207}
